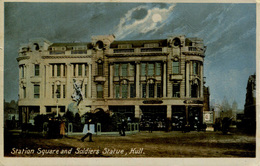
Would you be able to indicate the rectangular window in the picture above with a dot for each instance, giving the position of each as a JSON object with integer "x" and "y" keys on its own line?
{"x": 22, "y": 71}
{"x": 117, "y": 91}
{"x": 36, "y": 91}
{"x": 86, "y": 90}
{"x": 158, "y": 69}
{"x": 58, "y": 91}
{"x": 64, "y": 91}
{"x": 159, "y": 90}
{"x": 52, "y": 70}
{"x": 150, "y": 69}
{"x": 100, "y": 69}
{"x": 116, "y": 70}
{"x": 124, "y": 70}
{"x": 24, "y": 92}
{"x": 124, "y": 91}
{"x": 175, "y": 90}
{"x": 143, "y": 69}
{"x": 58, "y": 70}
{"x": 131, "y": 69}
{"x": 143, "y": 90}
{"x": 132, "y": 90}
{"x": 195, "y": 68}
{"x": 99, "y": 91}
{"x": 64, "y": 70}
{"x": 151, "y": 90}
{"x": 79, "y": 69}
{"x": 74, "y": 70}
{"x": 175, "y": 67}
{"x": 52, "y": 91}
{"x": 36, "y": 70}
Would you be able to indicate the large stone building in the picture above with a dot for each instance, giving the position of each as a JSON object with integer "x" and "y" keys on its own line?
{"x": 152, "y": 79}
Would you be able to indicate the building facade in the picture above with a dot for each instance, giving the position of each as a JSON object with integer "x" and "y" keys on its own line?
{"x": 142, "y": 79}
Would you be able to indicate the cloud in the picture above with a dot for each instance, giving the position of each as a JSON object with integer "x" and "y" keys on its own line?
{"x": 140, "y": 20}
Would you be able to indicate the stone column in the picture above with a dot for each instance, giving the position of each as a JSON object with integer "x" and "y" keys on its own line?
{"x": 89, "y": 80}
{"x": 137, "y": 112}
{"x": 169, "y": 118}
{"x": 169, "y": 111}
{"x": 61, "y": 70}
{"x": 164, "y": 79}
{"x": 48, "y": 75}
{"x": 201, "y": 81}
{"x": 42, "y": 109}
{"x": 69, "y": 80}
{"x": 83, "y": 69}
{"x": 187, "y": 79}
{"x": 137, "y": 83}
{"x": 55, "y": 70}
{"x": 111, "y": 76}
{"x": 77, "y": 70}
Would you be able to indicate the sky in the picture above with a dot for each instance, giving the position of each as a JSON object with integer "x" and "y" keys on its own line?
{"x": 228, "y": 31}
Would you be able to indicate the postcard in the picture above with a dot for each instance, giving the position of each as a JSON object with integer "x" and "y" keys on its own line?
{"x": 109, "y": 82}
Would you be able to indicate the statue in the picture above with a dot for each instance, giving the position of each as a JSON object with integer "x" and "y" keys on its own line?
{"x": 77, "y": 95}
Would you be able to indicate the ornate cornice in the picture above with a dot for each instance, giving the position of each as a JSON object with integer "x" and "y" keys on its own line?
{"x": 137, "y": 54}
{"x": 193, "y": 53}
{"x": 22, "y": 58}
{"x": 66, "y": 56}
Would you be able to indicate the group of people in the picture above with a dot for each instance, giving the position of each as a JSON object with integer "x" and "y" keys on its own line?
{"x": 56, "y": 128}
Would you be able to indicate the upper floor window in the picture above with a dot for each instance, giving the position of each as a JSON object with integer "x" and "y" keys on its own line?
{"x": 196, "y": 68}
{"x": 150, "y": 69}
{"x": 124, "y": 91}
{"x": 58, "y": 70}
{"x": 79, "y": 69}
{"x": 131, "y": 69}
{"x": 116, "y": 70}
{"x": 124, "y": 69}
{"x": 99, "y": 91}
{"x": 22, "y": 71}
{"x": 117, "y": 90}
{"x": 158, "y": 69}
{"x": 132, "y": 90}
{"x": 151, "y": 90}
{"x": 159, "y": 90}
{"x": 143, "y": 90}
{"x": 58, "y": 91}
{"x": 36, "y": 70}
{"x": 125, "y": 46}
{"x": 143, "y": 69}
{"x": 150, "y": 45}
{"x": 24, "y": 92}
{"x": 36, "y": 91}
{"x": 176, "y": 90}
{"x": 175, "y": 67}
{"x": 99, "y": 67}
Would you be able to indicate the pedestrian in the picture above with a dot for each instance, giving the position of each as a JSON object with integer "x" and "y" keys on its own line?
{"x": 62, "y": 128}
{"x": 89, "y": 134}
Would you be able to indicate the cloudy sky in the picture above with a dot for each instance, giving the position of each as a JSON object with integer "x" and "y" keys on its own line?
{"x": 228, "y": 31}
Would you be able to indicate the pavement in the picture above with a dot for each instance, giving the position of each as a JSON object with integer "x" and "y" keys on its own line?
{"x": 142, "y": 144}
